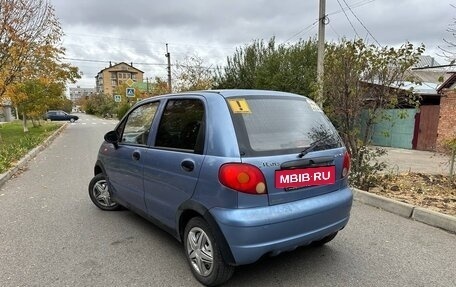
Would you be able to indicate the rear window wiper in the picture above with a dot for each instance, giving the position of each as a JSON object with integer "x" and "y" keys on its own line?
{"x": 313, "y": 145}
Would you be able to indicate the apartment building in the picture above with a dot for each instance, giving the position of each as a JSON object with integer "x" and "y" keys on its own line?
{"x": 108, "y": 79}
{"x": 78, "y": 93}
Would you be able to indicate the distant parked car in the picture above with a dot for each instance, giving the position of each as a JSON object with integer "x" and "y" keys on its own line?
{"x": 232, "y": 174}
{"x": 60, "y": 116}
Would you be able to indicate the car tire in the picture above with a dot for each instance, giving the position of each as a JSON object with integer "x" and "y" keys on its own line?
{"x": 203, "y": 254}
{"x": 324, "y": 240}
{"x": 72, "y": 120}
{"x": 100, "y": 195}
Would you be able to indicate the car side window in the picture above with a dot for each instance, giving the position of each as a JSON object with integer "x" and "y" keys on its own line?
{"x": 137, "y": 126}
{"x": 182, "y": 125}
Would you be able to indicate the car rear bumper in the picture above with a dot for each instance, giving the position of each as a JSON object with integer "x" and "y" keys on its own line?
{"x": 253, "y": 232}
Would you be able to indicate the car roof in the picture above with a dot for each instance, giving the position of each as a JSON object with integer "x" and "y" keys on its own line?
{"x": 247, "y": 92}
{"x": 231, "y": 93}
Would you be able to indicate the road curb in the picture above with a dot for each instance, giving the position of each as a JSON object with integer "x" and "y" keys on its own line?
{"x": 4, "y": 177}
{"x": 433, "y": 218}
{"x": 388, "y": 204}
{"x": 429, "y": 217}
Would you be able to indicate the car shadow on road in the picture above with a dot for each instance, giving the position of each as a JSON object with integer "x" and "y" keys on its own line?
{"x": 304, "y": 264}
{"x": 293, "y": 268}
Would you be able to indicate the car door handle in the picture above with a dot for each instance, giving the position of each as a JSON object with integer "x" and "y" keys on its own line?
{"x": 136, "y": 155}
{"x": 188, "y": 165}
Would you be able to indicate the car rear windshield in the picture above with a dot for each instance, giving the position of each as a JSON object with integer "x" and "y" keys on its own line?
{"x": 268, "y": 125}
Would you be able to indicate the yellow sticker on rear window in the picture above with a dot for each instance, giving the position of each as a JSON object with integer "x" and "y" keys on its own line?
{"x": 239, "y": 106}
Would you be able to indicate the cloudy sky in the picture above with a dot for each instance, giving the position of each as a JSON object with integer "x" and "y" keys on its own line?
{"x": 99, "y": 31}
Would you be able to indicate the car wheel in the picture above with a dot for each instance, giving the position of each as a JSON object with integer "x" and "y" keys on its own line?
{"x": 203, "y": 254}
{"x": 324, "y": 240}
{"x": 72, "y": 120}
{"x": 99, "y": 193}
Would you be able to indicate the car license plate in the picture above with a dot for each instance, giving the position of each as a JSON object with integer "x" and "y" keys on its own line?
{"x": 302, "y": 177}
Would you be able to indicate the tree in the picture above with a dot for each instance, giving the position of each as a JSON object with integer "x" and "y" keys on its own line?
{"x": 361, "y": 81}
{"x": 192, "y": 75}
{"x": 261, "y": 65}
{"x": 100, "y": 105}
{"x": 449, "y": 51}
{"x": 27, "y": 28}
{"x": 158, "y": 87}
{"x": 35, "y": 96}
{"x": 30, "y": 63}
{"x": 450, "y": 145}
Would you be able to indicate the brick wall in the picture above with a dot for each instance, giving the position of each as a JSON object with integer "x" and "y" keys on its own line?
{"x": 447, "y": 119}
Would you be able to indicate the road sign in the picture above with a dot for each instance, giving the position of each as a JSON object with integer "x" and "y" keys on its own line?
{"x": 129, "y": 82}
{"x": 117, "y": 98}
{"x": 130, "y": 92}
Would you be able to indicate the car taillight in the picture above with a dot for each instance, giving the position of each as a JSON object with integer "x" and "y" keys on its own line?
{"x": 243, "y": 177}
{"x": 346, "y": 166}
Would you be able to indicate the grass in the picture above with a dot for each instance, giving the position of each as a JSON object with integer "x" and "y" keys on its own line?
{"x": 15, "y": 144}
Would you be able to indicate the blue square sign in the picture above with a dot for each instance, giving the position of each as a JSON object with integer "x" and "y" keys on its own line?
{"x": 130, "y": 92}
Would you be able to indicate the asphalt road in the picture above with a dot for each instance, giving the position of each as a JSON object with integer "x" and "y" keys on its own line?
{"x": 52, "y": 235}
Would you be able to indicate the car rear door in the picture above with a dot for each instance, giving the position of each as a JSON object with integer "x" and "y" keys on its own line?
{"x": 51, "y": 115}
{"x": 173, "y": 164}
{"x": 61, "y": 116}
{"x": 292, "y": 142}
{"x": 289, "y": 178}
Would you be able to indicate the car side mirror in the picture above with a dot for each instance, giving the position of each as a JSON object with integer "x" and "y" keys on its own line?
{"x": 112, "y": 138}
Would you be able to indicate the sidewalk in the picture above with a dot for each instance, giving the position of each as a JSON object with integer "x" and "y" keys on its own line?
{"x": 404, "y": 160}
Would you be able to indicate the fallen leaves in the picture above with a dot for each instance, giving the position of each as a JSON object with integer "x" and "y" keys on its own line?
{"x": 436, "y": 192}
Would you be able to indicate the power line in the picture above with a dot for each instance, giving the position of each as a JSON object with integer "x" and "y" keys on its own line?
{"x": 354, "y": 5}
{"x": 334, "y": 30}
{"x": 308, "y": 28}
{"x": 349, "y": 21}
{"x": 362, "y": 24}
{"x": 302, "y": 31}
{"x": 106, "y": 61}
{"x": 84, "y": 60}
{"x": 147, "y": 64}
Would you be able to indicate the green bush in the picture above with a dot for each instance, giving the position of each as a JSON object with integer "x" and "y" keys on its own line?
{"x": 367, "y": 167}
{"x": 122, "y": 110}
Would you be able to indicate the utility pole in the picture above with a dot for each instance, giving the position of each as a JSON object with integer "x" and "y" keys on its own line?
{"x": 147, "y": 86}
{"x": 321, "y": 51}
{"x": 167, "y": 55}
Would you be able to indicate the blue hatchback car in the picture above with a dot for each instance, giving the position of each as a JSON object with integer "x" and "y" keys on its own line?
{"x": 233, "y": 174}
